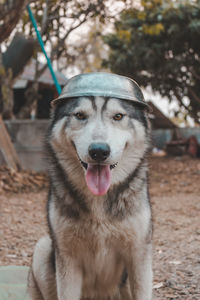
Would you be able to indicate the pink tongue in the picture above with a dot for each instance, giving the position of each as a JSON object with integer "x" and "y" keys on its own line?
{"x": 98, "y": 179}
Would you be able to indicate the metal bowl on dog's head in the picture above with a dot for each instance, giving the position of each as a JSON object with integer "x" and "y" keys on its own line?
{"x": 102, "y": 84}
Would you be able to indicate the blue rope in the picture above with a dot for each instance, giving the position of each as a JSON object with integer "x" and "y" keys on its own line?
{"x": 58, "y": 87}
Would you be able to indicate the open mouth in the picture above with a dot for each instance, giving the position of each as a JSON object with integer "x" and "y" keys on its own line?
{"x": 98, "y": 177}
{"x": 85, "y": 165}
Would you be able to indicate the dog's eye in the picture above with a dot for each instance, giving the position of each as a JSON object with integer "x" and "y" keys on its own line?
{"x": 80, "y": 116}
{"x": 118, "y": 117}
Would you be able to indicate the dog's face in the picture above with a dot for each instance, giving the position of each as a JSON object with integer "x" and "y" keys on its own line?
{"x": 106, "y": 137}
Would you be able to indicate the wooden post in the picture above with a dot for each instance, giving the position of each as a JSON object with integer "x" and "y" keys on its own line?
{"x": 7, "y": 149}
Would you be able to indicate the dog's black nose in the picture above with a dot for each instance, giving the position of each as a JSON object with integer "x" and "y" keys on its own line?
{"x": 99, "y": 151}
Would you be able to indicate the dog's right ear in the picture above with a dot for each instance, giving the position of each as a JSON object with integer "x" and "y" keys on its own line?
{"x": 55, "y": 102}
{"x": 56, "y": 108}
{"x": 55, "y": 111}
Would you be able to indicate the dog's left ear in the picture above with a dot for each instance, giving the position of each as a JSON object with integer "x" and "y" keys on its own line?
{"x": 148, "y": 111}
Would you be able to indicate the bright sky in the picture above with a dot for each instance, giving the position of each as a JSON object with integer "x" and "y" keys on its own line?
{"x": 165, "y": 105}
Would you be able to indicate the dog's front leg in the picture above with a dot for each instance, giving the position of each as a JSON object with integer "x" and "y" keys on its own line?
{"x": 140, "y": 273}
{"x": 68, "y": 279}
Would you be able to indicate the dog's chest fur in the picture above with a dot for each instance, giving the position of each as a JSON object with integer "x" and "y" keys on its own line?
{"x": 100, "y": 240}
{"x": 96, "y": 243}
{"x": 100, "y": 260}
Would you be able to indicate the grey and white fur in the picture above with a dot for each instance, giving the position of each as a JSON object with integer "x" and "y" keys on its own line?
{"x": 99, "y": 246}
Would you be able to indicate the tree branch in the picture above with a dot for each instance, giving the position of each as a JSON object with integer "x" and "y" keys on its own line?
{"x": 55, "y": 50}
{"x": 10, "y": 13}
{"x": 45, "y": 18}
{"x": 194, "y": 95}
{"x": 195, "y": 74}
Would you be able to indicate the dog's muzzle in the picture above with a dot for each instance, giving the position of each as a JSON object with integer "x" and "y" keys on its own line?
{"x": 98, "y": 173}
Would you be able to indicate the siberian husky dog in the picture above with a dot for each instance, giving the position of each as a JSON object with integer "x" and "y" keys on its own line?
{"x": 99, "y": 213}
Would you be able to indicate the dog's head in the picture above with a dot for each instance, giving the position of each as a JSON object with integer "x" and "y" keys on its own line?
{"x": 105, "y": 136}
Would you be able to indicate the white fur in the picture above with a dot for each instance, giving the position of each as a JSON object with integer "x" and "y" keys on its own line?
{"x": 92, "y": 253}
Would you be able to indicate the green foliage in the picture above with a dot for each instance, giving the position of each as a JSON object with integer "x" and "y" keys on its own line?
{"x": 158, "y": 45}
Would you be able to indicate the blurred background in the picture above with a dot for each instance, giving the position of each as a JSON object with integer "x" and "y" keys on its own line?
{"x": 155, "y": 42}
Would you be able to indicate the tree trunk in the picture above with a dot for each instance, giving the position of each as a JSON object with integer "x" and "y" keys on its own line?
{"x": 6, "y": 92}
{"x": 10, "y": 13}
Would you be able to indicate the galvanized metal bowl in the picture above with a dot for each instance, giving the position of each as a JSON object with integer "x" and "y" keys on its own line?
{"x": 102, "y": 84}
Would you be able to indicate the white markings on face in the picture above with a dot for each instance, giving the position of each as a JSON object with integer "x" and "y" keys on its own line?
{"x": 90, "y": 129}
{"x": 57, "y": 129}
{"x": 102, "y": 120}
{"x": 119, "y": 133}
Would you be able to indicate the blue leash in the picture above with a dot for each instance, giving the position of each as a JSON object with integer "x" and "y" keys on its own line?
{"x": 58, "y": 87}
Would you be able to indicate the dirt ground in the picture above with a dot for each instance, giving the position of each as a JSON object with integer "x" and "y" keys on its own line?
{"x": 175, "y": 197}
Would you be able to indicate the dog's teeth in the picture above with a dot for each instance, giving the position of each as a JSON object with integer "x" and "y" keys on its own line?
{"x": 113, "y": 166}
